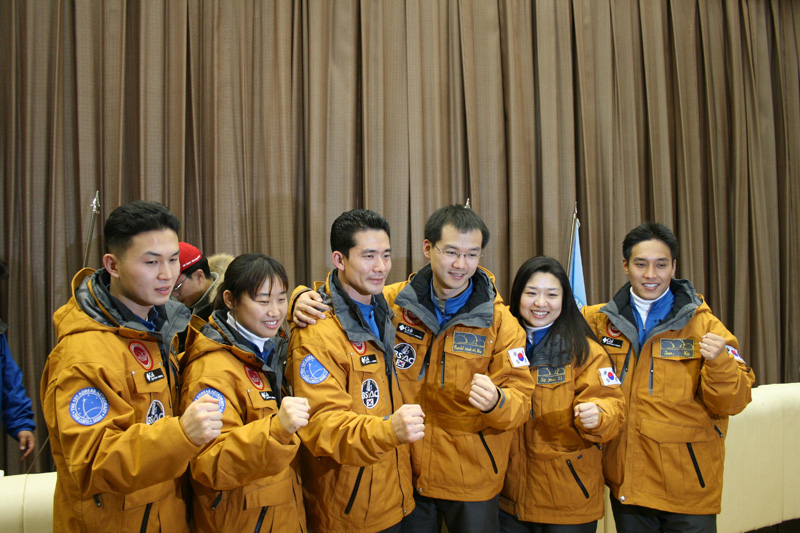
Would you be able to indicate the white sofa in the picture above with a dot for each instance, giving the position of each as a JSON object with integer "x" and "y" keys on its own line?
{"x": 761, "y": 486}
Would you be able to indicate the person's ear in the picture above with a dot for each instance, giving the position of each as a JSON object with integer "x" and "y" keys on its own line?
{"x": 227, "y": 297}
{"x": 111, "y": 264}
{"x": 338, "y": 260}
{"x": 426, "y": 248}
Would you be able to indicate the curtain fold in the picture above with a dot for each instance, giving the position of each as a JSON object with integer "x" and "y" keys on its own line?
{"x": 258, "y": 122}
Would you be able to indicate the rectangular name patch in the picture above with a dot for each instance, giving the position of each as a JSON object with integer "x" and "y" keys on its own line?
{"x": 408, "y": 330}
{"x": 266, "y": 395}
{"x": 549, "y": 375}
{"x": 609, "y": 341}
{"x": 369, "y": 359}
{"x": 683, "y": 348}
{"x": 154, "y": 375}
{"x": 468, "y": 343}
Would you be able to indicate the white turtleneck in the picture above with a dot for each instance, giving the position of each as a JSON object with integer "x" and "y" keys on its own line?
{"x": 643, "y": 306}
{"x": 246, "y": 333}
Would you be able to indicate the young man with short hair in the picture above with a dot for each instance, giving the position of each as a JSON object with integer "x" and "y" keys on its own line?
{"x": 357, "y": 473}
{"x": 682, "y": 377}
{"x": 109, "y": 387}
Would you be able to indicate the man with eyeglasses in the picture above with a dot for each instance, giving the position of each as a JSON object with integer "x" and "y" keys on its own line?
{"x": 460, "y": 355}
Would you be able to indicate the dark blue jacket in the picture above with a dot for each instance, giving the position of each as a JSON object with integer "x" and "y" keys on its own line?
{"x": 17, "y": 413}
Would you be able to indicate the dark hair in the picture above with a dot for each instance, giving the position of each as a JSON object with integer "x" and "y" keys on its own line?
{"x": 246, "y": 274}
{"x": 129, "y": 220}
{"x": 570, "y": 324}
{"x": 648, "y": 231}
{"x": 3, "y": 270}
{"x": 200, "y": 265}
{"x": 346, "y": 225}
{"x": 462, "y": 218}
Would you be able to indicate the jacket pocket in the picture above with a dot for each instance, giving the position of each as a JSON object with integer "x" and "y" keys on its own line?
{"x": 678, "y": 461}
{"x": 553, "y": 396}
{"x": 676, "y": 369}
{"x": 463, "y": 356}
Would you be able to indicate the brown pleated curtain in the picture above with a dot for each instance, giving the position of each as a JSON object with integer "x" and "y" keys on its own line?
{"x": 258, "y": 122}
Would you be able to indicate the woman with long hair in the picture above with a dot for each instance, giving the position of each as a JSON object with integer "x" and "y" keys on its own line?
{"x": 554, "y": 481}
{"x": 247, "y": 479}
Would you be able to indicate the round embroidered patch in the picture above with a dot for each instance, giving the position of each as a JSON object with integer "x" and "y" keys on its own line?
{"x": 404, "y": 356}
{"x": 255, "y": 377}
{"x": 613, "y": 331}
{"x": 88, "y": 406}
{"x": 214, "y": 393}
{"x": 142, "y": 354}
{"x": 370, "y": 394}
{"x": 312, "y": 371}
{"x": 360, "y": 347}
{"x": 155, "y": 412}
{"x": 411, "y": 318}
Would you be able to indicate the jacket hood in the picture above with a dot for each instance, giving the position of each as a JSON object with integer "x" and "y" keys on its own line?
{"x": 216, "y": 334}
{"x": 92, "y": 308}
{"x": 478, "y": 311}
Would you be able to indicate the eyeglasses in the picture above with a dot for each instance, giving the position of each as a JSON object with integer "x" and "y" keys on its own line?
{"x": 450, "y": 254}
{"x": 178, "y": 286}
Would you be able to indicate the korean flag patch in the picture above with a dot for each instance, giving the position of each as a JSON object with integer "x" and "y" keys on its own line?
{"x": 518, "y": 358}
{"x": 735, "y": 353}
{"x": 609, "y": 377}
{"x": 214, "y": 393}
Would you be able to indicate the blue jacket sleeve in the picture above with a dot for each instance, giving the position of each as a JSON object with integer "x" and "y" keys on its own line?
{"x": 16, "y": 406}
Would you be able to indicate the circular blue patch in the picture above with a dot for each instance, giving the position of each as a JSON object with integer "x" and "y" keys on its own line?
{"x": 155, "y": 412}
{"x": 312, "y": 370}
{"x": 404, "y": 356}
{"x": 214, "y": 393}
{"x": 88, "y": 406}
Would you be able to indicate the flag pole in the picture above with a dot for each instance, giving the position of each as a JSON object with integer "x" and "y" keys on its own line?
{"x": 575, "y": 225}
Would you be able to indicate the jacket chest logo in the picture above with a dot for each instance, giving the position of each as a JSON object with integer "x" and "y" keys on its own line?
{"x": 612, "y": 330}
{"x": 682, "y": 348}
{"x": 614, "y": 343}
{"x": 411, "y": 318}
{"x": 370, "y": 359}
{"x": 141, "y": 354}
{"x": 468, "y": 343}
{"x": 267, "y": 395}
{"x": 408, "y": 330}
{"x": 370, "y": 394}
{"x": 360, "y": 347}
{"x": 152, "y": 376}
{"x": 549, "y": 375}
{"x": 155, "y": 412}
{"x": 254, "y": 377}
{"x": 404, "y": 356}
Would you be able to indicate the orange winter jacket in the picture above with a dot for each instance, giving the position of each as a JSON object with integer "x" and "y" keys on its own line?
{"x": 670, "y": 453}
{"x": 464, "y": 453}
{"x": 555, "y": 471}
{"x": 248, "y": 479}
{"x": 109, "y": 392}
{"x": 357, "y": 475}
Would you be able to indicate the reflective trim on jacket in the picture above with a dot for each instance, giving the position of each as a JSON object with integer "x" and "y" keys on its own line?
{"x": 670, "y": 453}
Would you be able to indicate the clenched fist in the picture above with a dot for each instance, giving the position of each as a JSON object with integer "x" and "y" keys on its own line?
{"x": 408, "y": 423}
{"x": 293, "y": 413}
{"x": 202, "y": 420}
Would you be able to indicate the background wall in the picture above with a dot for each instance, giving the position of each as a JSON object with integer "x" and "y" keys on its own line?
{"x": 258, "y": 122}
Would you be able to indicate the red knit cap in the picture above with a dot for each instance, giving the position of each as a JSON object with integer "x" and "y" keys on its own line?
{"x": 189, "y": 255}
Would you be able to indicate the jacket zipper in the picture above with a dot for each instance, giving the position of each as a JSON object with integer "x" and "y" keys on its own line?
{"x": 719, "y": 431}
{"x": 651, "y": 376}
{"x": 442, "y": 369}
{"x": 486, "y": 445}
{"x": 577, "y": 479}
{"x": 146, "y": 517}
{"x": 625, "y": 364}
{"x": 696, "y": 466}
{"x": 97, "y": 500}
{"x": 426, "y": 363}
{"x": 261, "y": 518}
{"x": 355, "y": 491}
{"x": 216, "y": 501}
